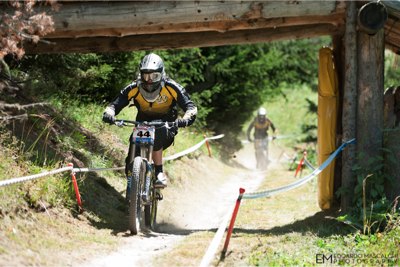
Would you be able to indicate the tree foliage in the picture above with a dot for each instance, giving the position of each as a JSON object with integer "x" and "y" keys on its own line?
{"x": 227, "y": 83}
{"x": 392, "y": 70}
{"x": 19, "y": 22}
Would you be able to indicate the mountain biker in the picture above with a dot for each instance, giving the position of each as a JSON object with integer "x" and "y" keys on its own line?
{"x": 261, "y": 126}
{"x": 156, "y": 97}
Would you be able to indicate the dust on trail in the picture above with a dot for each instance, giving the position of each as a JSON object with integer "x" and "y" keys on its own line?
{"x": 200, "y": 202}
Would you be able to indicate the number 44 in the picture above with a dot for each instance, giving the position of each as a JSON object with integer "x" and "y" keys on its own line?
{"x": 145, "y": 134}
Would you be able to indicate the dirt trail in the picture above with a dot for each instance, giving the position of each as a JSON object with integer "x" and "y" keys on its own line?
{"x": 200, "y": 202}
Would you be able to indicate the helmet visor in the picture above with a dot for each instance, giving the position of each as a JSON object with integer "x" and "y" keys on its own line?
{"x": 152, "y": 76}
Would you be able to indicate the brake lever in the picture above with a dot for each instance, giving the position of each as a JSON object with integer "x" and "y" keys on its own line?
{"x": 169, "y": 125}
{"x": 119, "y": 123}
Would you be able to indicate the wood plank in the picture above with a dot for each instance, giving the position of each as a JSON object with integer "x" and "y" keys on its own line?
{"x": 87, "y": 15}
{"x": 180, "y": 40}
{"x": 219, "y": 26}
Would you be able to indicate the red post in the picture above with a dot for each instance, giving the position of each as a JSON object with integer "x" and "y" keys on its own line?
{"x": 231, "y": 224}
{"x": 301, "y": 164}
{"x": 208, "y": 146}
{"x": 76, "y": 188}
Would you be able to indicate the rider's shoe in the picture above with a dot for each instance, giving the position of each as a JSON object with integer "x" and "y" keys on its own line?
{"x": 161, "y": 181}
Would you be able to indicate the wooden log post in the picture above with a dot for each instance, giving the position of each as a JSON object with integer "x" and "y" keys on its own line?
{"x": 338, "y": 56}
{"x": 349, "y": 104}
{"x": 392, "y": 141}
{"x": 370, "y": 96}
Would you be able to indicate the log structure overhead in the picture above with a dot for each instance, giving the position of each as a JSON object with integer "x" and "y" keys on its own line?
{"x": 100, "y": 26}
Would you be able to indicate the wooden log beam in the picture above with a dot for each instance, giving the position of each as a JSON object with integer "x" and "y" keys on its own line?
{"x": 180, "y": 40}
{"x": 218, "y": 26}
{"x": 137, "y": 17}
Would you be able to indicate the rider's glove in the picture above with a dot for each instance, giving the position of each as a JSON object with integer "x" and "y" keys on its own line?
{"x": 181, "y": 123}
{"x": 109, "y": 115}
{"x": 273, "y": 137}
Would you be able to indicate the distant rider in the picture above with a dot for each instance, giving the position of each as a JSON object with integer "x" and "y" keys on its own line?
{"x": 156, "y": 97}
{"x": 261, "y": 126}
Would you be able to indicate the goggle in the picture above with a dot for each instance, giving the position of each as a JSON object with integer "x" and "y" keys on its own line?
{"x": 154, "y": 76}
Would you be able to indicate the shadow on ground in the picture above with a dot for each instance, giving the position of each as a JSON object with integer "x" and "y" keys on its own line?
{"x": 322, "y": 224}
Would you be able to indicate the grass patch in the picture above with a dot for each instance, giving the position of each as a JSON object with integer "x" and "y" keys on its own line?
{"x": 39, "y": 218}
{"x": 289, "y": 230}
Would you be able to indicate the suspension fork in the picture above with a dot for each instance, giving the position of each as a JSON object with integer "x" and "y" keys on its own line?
{"x": 146, "y": 154}
{"x": 147, "y": 182}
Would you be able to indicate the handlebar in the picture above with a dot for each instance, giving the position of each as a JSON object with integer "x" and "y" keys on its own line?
{"x": 121, "y": 123}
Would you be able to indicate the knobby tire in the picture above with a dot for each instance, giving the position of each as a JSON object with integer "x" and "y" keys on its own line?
{"x": 138, "y": 172}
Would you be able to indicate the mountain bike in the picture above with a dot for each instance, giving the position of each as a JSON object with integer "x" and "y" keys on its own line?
{"x": 261, "y": 149}
{"x": 141, "y": 193}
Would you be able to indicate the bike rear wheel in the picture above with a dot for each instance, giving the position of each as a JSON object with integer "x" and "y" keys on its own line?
{"x": 261, "y": 154}
{"x": 135, "y": 210}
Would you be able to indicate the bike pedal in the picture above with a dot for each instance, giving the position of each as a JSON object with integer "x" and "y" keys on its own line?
{"x": 159, "y": 196}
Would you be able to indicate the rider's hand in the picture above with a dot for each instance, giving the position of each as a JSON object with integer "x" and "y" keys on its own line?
{"x": 109, "y": 116}
{"x": 273, "y": 137}
{"x": 181, "y": 123}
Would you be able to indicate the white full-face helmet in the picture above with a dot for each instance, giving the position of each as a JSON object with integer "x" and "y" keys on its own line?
{"x": 261, "y": 114}
{"x": 152, "y": 76}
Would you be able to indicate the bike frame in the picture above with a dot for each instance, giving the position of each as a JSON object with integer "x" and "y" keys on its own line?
{"x": 261, "y": 149}
{"x": 142, "y": 196}
{"x": 145, "y": 153}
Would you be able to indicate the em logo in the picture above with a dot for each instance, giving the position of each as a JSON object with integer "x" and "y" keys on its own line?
{"x": 321, "y": 259}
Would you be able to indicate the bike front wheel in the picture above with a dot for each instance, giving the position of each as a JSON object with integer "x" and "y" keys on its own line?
{"x": 135, "y": 210}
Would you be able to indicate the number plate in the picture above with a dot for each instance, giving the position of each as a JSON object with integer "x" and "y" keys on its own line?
{"x": 144, "y": 135}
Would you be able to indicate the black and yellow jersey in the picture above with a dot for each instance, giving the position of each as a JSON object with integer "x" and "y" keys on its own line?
{"x": 164, "y": 107}
{"x": 260, "y": 128}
